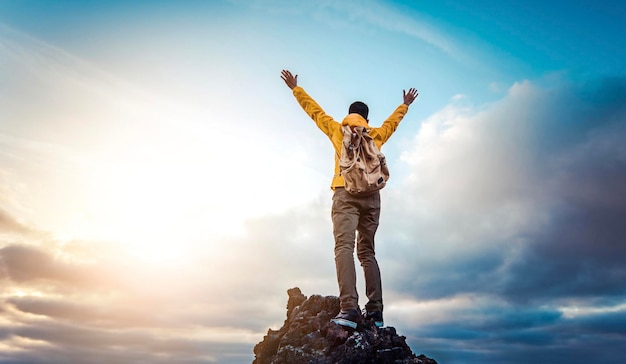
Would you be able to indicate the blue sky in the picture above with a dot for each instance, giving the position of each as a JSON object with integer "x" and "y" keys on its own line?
{"x": 160, "y": 188}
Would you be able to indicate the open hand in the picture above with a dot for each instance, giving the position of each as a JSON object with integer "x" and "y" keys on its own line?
{"x": 289, "y": 79}
{"x": 409, "y": 97}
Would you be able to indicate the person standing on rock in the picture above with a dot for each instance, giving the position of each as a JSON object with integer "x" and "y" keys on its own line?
{"x": 354, "y": 218}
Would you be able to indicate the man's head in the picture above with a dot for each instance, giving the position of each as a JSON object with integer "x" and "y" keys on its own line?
{"x": 360, "y": 108}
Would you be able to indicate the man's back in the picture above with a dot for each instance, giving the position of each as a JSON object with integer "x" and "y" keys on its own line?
{"x": 351, "y": 213}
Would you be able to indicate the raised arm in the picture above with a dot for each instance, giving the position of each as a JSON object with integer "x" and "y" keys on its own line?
{"x": 390, "y": 125}
{"x": 323, "y": 121}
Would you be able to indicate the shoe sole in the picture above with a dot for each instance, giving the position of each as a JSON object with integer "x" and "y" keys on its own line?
{"x": 344, "y": 322}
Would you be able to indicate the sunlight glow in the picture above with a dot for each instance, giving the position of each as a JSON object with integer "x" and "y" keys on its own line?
{"x": 174, "y": 193}
{"x": 17, "y": 292}
{"x": 433, "y": 311}
{"x": 20, "y": 343}
{"x": 579, "y": 311}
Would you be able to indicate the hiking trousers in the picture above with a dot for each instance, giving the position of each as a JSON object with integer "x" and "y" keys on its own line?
{"x": 356, "y": 218}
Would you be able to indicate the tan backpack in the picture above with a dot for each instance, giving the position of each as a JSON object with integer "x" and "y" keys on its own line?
{"x": 361, "y": 164}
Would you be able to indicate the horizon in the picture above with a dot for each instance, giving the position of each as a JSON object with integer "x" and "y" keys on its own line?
{"x": 161, "y": 189}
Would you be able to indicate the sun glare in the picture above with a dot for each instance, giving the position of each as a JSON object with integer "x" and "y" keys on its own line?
{"x": 166, "y": 198}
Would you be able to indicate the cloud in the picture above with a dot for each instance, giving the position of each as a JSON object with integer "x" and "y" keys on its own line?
{"x": 68, "y": 301}
{"x": 120, "y": 323}
{"x": 535, "y": 174}
{"x": 9, "y": 225}
{"x": 505, "y": 237}
{"x": 25, "y": 263}
{"x": 518, "y": 204}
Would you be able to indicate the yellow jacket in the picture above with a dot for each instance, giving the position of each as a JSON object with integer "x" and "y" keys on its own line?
{"x": 332, "y": 128}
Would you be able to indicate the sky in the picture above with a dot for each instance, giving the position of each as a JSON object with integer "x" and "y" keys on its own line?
{"x": 161, "y": 189}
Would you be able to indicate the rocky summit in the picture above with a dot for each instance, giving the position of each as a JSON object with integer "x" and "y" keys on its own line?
{"x": 308, "y": 336}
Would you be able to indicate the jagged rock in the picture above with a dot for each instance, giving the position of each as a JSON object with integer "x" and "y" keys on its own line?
{"x": 308, "y": 336}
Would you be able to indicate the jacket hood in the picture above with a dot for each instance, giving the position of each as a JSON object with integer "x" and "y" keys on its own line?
{"x": 355, "y": 119}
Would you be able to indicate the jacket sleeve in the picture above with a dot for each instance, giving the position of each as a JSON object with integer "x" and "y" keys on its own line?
{"x": 325, "y": 122}
{"x": 391, "y": 124}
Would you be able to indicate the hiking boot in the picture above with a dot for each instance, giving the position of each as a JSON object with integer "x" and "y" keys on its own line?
{"x": 349, "y": 318}
{"x": 377, "y": 316}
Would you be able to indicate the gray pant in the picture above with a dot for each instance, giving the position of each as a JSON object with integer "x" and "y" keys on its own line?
{"x": 350, "y": 215}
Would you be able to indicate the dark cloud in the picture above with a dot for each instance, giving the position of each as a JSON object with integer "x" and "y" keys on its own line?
{"x": 582, "y": 249}
{"x": 98, "y": 314}
{"x": 594, "y": 348}
{"x": 523, "y": 202}
{"x": 74, "y": 343}
{"x": 24, "y": 263}
{"x": 581, "y": 256}
{"x": 569, "y": 238}
{"x": 515, "y": 334}
{"x": 603, "y": 323}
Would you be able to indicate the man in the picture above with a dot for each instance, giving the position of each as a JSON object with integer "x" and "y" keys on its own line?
{"x": 352, "y": 214}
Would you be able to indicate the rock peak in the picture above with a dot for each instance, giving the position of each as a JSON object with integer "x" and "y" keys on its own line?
{"x": 308, "y": 336}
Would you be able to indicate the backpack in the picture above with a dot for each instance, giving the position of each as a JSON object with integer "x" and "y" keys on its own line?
{"x": 361, "y": 164}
